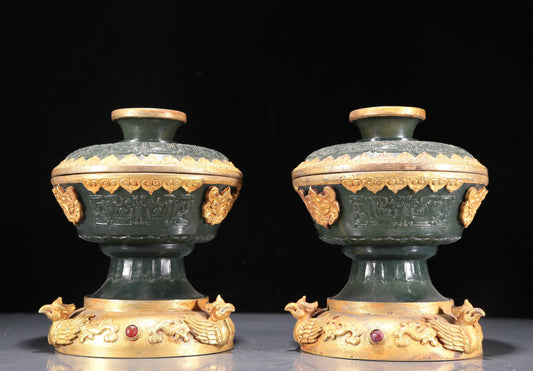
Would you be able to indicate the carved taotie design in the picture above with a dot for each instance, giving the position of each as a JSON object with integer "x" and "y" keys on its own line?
{"x": 217, "y": 204}
{"x": 323, "y": 207}
{"x": 65, "y": 330}
{"x": 401, "y": 211}
{"x": 140, "y": 209}
{"x": 69, "y": 202}
{"x": 472, "y": 202}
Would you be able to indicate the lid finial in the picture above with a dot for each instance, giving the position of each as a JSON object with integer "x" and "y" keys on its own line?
{"x": 160, "y": 113}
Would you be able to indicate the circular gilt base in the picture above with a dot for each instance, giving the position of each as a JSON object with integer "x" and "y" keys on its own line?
{"x": 414, "y": 331}
{"x": 141, "y": 328}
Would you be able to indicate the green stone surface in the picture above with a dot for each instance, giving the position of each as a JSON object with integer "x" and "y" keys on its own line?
{"x": 145, "y": 235}
{"x": 392, "y": 135}
{"x": 144, "y": 137}
{"x": 389, "y": 274}
{"x": 389, "y": 236}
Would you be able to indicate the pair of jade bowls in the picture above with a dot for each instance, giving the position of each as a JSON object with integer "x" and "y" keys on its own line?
{"x": 147, "y": 200}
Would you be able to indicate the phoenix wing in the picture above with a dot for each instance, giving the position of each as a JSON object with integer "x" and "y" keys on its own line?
{"x": 452, "y": 337}
{"x": 311, "y": 329}
{"x": 205, "y": 331}
{"x": 64, "y": 332}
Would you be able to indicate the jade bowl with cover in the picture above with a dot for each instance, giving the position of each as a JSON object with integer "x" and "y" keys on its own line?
{"x": 390, "y": 200}
{"x": 146, "y": 200}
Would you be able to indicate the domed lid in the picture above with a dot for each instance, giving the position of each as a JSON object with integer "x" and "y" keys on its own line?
{"x": 387, "y": 147}
{"x": 148, "y": 146}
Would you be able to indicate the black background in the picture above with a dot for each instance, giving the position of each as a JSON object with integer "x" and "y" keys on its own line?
{"x": 265, "y": 83}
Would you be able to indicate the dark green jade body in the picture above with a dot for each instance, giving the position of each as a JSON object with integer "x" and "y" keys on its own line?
{"x": 389, "y": 200}
{"x": 145, "y": 201}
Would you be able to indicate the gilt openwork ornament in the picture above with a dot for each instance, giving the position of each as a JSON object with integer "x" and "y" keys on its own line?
{"x": 323, "y": 207}
{"x": 472, "y": 202}
{"x": 135, "y": 328}
{"x": 397, "y": 331}
{"x": 69, "y": 202}
{"x": 396, "y": 182}
{"x": 150, "y": 182}
{"x": 462, "y": 334}
{"x": 81, "y": 328}
{"x": 217, "y": 204}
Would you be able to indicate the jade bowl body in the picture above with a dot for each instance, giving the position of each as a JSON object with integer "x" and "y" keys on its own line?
{"x": 146, "y": 200}
{"x": 390, "y": 200}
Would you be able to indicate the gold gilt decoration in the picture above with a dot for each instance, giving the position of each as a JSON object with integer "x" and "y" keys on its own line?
{"x": 339, "y": 327}
{"x": 175, "y": 329}
{"x": 68, "y": 200}
{"x": 313, "y": 323}
{"x": 323, "y": 207}
{"x": 148, "y": 182}
{"x": 395, "y": 182}
{"x": 217, "y": 329}
{"x": 217, "y": 204}
{"x": 152, "y": 163}
{"x": 308, "y": 328}
{"x": 105, "y": 327}
{"x": 389, "y": 162}
{"x": 393, "y": 331}
{"x": 419, "y": 332}
{"x": 393, "y": 171}
{"x": 65, "y": 330}
{"x": 141, "y": 328}
{"x": 462, "y": 334}
{"x": 473, "y": 199}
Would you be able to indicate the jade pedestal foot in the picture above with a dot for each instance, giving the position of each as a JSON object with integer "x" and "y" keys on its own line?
{"x": 389, "y": 201}
{"x": 147, "y": 201}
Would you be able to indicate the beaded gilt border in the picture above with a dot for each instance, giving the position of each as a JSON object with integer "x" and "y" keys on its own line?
{"x": 395, "y": 181}
{"x": 148, "y": 181}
